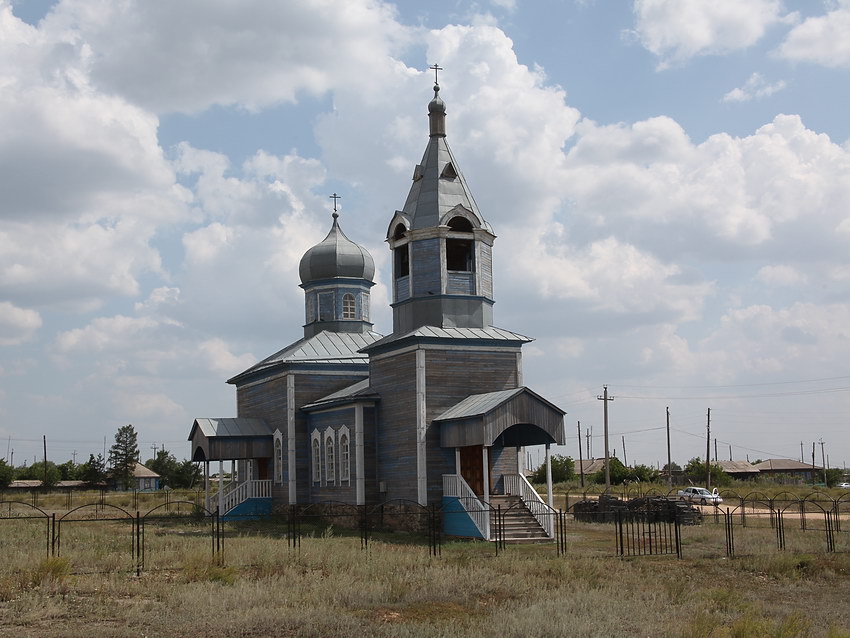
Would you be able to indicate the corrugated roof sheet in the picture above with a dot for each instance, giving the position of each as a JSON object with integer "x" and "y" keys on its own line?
{"x": 325, "y": 347}
{"x": 737, "y": 467}
{"x": 361, "y": 388}
{"x": 489, "y": 333}
{"x": 476, "y": 404}
{"x": 785, "y": 465}
{"x": 231, "y": 427}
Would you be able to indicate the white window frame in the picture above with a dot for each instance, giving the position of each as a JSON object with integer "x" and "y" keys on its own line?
{"x": 316, "y": 459}
{"x": 331, "y": 475}
{"x": 345, "y": 455}
{"x": 349, "y": 306}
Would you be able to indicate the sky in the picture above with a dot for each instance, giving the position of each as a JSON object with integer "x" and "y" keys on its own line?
{"x": 669, "y": 181}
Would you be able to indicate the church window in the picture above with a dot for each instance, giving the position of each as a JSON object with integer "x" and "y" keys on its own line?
{"x": 449, "y": 172}
{"x": 344, "y": 458}
{"x": 402, "y": 261}
{"x": 349, "y": 310}
{"x": 460, "y": 224}
{"x": 311, "y": 308}
{"x": 399, "y": 231}
{"x": 317, "y": 461}
{"x": 459, "y": 255}
{"x": 278, "y": 459}
{"x": 326, "y": 306}
{"x": 330, "y": 461}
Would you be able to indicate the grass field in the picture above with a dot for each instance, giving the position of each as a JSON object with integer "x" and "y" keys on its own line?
{"x": 333, "y": 588}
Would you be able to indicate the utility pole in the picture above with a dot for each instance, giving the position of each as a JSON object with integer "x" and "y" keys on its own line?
{"x": 44, "y": 438}
{"x": 823, "y": 461}
{"x": 625, "y": 458}
{"x": 708, "y": 449}
{"x": 154, "y": 448}
{"x": 715, "y": 449}
{"x": 730, "y": 451}
{"x": 813, "y": 462}
{"x": 580, "y": 460}
{"x": 74, "y": 457}
{"x": 669, "y": 461}
{"x": 605, "y": 399}
{"x": 801, "y": 452}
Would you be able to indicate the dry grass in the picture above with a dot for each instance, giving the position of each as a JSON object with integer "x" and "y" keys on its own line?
{"x": 331, "y": 587}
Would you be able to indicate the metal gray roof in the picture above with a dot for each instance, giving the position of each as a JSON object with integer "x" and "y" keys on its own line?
{"x": 361, "y": 388}
{"x": 336, "y": 256}
{"x": 785, "y": 465}
{"x": 737, "y": 467}
{"x": 325, "y": 347}
{"x": 476, "y": 404}
{"x": 231, "y": 427}
{"x": 488, "y": 333}
{"x": 433, "y": 192}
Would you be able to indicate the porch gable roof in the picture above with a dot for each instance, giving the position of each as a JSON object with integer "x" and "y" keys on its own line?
{"x": 481, "y": 419}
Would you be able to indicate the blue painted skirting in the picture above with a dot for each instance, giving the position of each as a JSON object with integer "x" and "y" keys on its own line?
{"x": 250, "y": 509}
{"x": 456, "y": 520}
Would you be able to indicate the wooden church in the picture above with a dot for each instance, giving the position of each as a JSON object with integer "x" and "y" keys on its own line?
{"x": 435, "y": 412}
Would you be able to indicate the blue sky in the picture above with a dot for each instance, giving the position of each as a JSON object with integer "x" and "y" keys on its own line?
{"x": 669, "y": 181}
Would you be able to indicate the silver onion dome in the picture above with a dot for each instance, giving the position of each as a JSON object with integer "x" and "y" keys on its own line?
{"x": 336, "y": 256}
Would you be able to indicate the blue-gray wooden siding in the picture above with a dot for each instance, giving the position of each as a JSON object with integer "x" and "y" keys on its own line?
{"x": 425, "y": 267}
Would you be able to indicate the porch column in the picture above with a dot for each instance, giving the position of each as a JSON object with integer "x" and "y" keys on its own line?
{"x": 484, "y": 459}
{"x": 290, "y": 438}
{"x": 207, "y": 484}
{"x": 220, "y": 486}
{"x": 457, "y": 461}
{"x": 549, "y": 498}
{"x": 359, "y": 456}
{"x": 520, "y": 461}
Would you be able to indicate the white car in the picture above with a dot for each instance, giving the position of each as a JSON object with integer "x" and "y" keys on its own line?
{"x": 700, "y": 495}
{"x": 844, "y": 486}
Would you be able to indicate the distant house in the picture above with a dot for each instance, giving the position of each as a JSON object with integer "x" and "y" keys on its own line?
{"x": 144, "y": 480}
{"x": 589, "y": 467}
{"x": 795, "y": 471}
{"x": 740, "y": 470}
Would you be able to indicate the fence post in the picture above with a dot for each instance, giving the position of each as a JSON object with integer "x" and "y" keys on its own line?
{"x": 53, "y": 535}
{"x": 139, "y": 558}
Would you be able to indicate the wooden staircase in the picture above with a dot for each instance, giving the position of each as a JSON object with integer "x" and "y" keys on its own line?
{"x": 520, "y": 526}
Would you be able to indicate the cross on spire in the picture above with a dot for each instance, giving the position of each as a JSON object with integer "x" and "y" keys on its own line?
{"x": 437, "y": 68}
{"x": 335, "y": 197}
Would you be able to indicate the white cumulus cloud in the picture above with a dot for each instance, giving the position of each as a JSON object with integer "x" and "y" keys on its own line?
{"x": 754, "y": 88}
{"x": 677, "y": 30}
{"x": 821, "y": 39}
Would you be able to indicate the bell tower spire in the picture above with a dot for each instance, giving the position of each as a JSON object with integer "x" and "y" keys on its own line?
{"x": 442, "y": 246}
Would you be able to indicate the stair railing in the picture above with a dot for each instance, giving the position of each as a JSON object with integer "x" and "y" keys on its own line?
{"x": 518, "y": 485}
{"x": 239, "y": 493}
{"x": 455, "y": 486}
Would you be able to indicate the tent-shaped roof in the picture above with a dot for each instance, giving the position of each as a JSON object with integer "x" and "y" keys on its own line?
{"x": 519, "y": 416}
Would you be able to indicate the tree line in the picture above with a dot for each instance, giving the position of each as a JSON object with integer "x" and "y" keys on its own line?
{"x": 116, "y": 469}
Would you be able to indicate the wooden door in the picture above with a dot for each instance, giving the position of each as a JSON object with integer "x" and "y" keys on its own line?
{"x": 472, "y": 468}
{"x": 262, "y": 470}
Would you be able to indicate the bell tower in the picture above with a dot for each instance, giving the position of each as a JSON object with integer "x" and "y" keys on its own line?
{"x": 442, "y": 246}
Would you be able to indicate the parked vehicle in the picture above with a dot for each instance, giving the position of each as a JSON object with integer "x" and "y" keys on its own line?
{"x": 844, "y": 486}
{"x": 700, "y": 495}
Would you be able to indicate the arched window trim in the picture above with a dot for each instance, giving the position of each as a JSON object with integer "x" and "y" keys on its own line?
{"x": 316, "y": 448}
{"x": 345, "y": 455}
{"x": 330, "y": 458}
{"x": 349, "y": 306}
